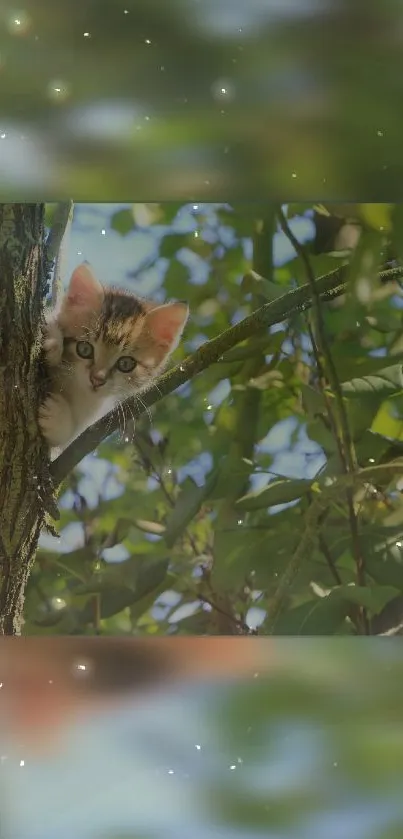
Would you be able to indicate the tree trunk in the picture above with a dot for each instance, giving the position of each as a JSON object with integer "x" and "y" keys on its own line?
{"x": 24, "y": 480}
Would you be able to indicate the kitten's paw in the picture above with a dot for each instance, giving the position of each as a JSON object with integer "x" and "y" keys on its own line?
{"x": 55, "y": 421}
{"x": 53, "y": 344}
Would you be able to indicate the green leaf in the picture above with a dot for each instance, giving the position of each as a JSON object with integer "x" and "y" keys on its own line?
{"x": 187, "y": 506}
{"x": 386, "y": 422}
{"x": 123, "y": 222}
{"x": 172, "y": 243}
{"x": 242, "y": 219}
{"x": 233, "y": 472}
{"x": 383, "y": 384}
{"x": 145, "y": 603}
{"x": 313, "y": 400}
{"x": 151, "y": 574}
{"x": 75, "y": 562}
{"x": 176, "y": 280}
{"x": 264, "y": 550}
{"x": 377, "y": 216}
{"x": 350, "y": 365}
{"x": 252, "y": 283}
{"x": 317, "y": 431}
{"x": 120, "y": 532}
{"x": 235, "y": 551}
{"x": 371, "y": 447}
{"x": 277, "y": 492}
{"x": 373, "y": 598}
{"x": 170, "y": 210}
{"x": 147, "y": 575}
{"x": 197, "y": 624}
{"x": 325, "y": 615}
{"x": 254, "y": 346}
{"x": 322, "y": 616}
{"x": 113, "y": 601}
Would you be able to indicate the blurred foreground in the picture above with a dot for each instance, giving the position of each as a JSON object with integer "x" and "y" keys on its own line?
{"x": 195, "y": 101}
{"x": 202, "y": 738}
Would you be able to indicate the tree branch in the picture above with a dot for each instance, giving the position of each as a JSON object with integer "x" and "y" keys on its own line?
{"x": 329, "y": 286}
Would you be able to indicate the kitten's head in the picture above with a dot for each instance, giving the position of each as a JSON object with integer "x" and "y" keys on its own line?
{"x": 114, "y": 342}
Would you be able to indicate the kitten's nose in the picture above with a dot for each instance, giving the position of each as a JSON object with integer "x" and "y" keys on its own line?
{"x": 97, "y": 378}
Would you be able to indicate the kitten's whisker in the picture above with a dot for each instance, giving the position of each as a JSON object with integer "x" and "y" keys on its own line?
{"x": 122, "y": 406}
{"x": 129, "y": 408}
{"x": 146, "y": 408}
{"x": 120, "y": 409}
{"x": 153, "y": 385}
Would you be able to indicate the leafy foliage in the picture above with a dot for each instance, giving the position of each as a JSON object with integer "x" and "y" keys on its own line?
{"x": 207, "y": 497}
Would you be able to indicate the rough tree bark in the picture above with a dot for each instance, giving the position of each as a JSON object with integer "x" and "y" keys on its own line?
{"x": 24, "y": 479}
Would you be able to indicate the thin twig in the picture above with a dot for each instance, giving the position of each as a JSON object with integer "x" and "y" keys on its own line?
{"x": 324, "y": 349}
{"x": 347, "y": 451}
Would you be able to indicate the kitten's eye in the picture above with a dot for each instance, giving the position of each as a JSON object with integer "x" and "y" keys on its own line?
{"x": 84, "y": 349}
{"x": 126, "y": 364}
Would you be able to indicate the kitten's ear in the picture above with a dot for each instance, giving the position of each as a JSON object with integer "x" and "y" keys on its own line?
{"x": 84, "y": 289}
{"x": 166, "y": 323}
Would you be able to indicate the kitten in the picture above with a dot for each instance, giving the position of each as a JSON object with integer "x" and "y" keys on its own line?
{"x": 101, "y": 346}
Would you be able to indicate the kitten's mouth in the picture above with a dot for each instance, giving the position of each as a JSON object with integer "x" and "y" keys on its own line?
{"x": 96, "y": 384}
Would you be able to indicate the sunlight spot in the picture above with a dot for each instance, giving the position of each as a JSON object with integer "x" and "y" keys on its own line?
{"x": 18, "y": 23}
{"x": 58, "y": 603}
{"x": 58, "y": 90}
{"x": 223, "y": 89}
